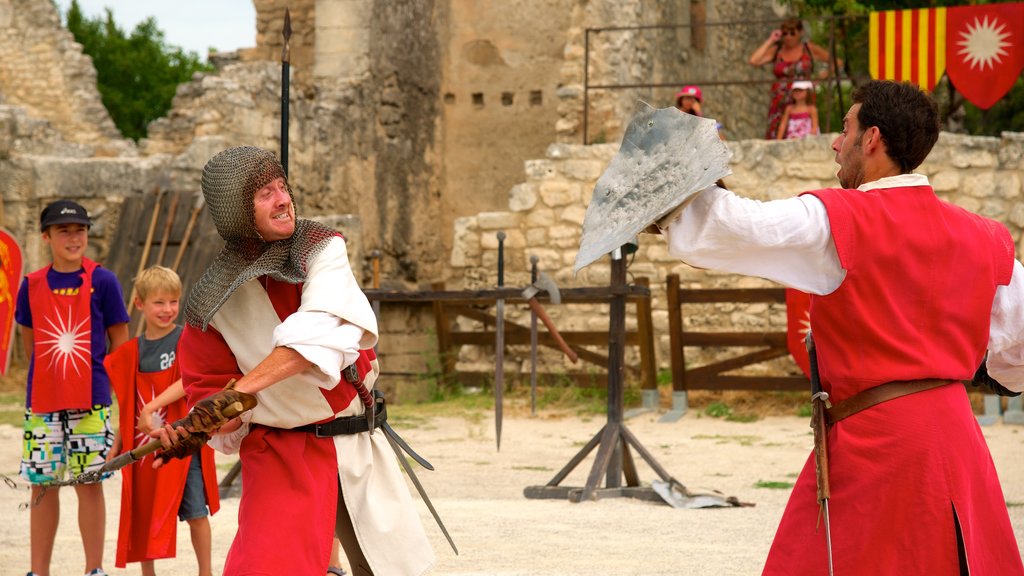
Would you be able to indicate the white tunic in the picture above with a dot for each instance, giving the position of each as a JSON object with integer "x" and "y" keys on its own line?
{"x": 333, "y": 322}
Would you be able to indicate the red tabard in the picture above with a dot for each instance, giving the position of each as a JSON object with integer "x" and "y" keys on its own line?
{"x": 61, "y": 343}
{"x": 915, "y": 303}
{"x": 283, "y": 470}
{"x": 150, "y": 498}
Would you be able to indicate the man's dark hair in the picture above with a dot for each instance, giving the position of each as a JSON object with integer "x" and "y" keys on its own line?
{"x": 907, "y": 118}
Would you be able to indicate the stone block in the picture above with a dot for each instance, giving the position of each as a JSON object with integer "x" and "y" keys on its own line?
{"x": 540, "y": 217}
{"x": 540, "y": 169}
{"x": 498, "y": 220}
{"x": 946, "y": 181}
{"x": 560, "y": 193}
{"x": 979, "y": 184}
{"x": 522, "y": 197}
{"x": 573, "y": 214}
{"x": 1008, "y": 184}
{"x": 587, "y": 171}
{"x": 536, "y": 236}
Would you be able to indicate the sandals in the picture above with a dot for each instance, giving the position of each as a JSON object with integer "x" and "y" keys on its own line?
{"x": 335, "y": 571}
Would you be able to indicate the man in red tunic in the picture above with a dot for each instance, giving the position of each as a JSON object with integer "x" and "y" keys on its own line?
{"x": 908, "y": 292}
{"x": 280, "y": 312}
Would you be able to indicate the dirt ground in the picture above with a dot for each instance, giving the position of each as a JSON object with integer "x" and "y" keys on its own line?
{"x": 479, "y": 494}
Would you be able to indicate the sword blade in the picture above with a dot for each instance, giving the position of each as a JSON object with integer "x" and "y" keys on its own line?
{"x": 828, "y": 536}
{"x": 419, "y": 487}
{"x": 499, "y": 369}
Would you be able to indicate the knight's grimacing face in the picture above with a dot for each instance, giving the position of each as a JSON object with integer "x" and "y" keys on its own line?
{"x": 273, "y": 211}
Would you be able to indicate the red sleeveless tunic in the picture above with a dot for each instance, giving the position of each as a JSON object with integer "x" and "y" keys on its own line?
{"x": 915, "y": 303}
{"x": 150, "y": 498}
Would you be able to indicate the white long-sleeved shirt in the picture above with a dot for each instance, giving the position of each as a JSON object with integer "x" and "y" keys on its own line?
{"x": 790, "y": 242}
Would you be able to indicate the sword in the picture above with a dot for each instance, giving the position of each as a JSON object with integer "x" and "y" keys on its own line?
{"x": 398, "y": 444}
{"x": 394, "y": 440}
{"x": 820, "y": 402}
{"x": 533, "y": 341}
{"x": 499, "y": 344}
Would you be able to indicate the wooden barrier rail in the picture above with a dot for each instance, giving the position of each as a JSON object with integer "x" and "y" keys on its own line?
{"x": 712, "y": 376}
{"x": 449, "y": 304}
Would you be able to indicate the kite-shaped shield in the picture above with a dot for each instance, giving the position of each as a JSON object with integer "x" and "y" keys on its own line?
{"x": 666, "y": 156}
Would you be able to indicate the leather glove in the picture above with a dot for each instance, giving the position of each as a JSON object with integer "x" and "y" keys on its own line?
{"x": 185, "y": 447}
{"x": 982, "y": 379}
{"x": 214, "y": 411}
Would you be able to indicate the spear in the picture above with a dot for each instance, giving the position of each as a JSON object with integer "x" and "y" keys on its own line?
{"x": 286, "y": 53}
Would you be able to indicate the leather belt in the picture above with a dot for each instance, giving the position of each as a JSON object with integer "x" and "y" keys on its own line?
{"x": 882, "y": 393}
{"x": 347, "y": 424}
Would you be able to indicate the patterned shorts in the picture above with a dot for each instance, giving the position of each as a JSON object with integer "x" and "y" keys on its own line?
{"x": 66, "y": 442}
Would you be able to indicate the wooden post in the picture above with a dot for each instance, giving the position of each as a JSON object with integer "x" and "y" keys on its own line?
{"x": 675, "y": 334}
{"x": 444, "y": 337}
{"x": 616, "y": 364}
{"x": 645, "y": 333}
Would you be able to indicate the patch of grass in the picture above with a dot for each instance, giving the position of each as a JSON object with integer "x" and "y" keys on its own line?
{"x": 12, "y": 408}
{"x": 718, "y": 410}
{"x": 533, "y": 468}
{"x": 722, "y": 439}
{"x": 1012, "y": 504}
{"x": 804, "y": 411}
{"x": 742, "y": 417}
{"x": 773, "y": 484}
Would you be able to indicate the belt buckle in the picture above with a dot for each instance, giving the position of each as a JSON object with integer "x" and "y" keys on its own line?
{"x": 317, "y": 431}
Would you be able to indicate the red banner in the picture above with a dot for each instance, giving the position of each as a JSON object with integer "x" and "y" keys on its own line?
{"x": 798, "y": 324}
{"x": 985, "y": 50}
{"x": 10, "y": 279}
{"x": 908, "y": 45}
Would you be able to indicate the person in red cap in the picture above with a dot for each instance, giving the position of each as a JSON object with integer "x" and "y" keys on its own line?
{"x": 689, "y": 99}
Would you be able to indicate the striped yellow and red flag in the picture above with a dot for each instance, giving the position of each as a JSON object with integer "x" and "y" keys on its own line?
{"x": 908, "y": 45}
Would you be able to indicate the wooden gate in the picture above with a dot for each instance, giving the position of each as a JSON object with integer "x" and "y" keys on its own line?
{"x": 770, "y": 345}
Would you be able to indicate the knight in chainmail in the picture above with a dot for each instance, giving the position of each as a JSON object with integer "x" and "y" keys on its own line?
{"x": 279, "y": 311}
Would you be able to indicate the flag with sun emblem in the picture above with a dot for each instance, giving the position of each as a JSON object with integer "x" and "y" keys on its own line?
{"x": 10, "y": 278}
{"x": 985, "y": 50}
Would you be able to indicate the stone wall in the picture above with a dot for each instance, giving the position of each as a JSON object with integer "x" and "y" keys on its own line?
{"x": 43, "y": 70}
{"x": 642, "y": 44}
{"x": 546, "y": 210}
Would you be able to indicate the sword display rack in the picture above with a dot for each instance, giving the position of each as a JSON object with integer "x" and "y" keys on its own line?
{"x": 614, "y": 442}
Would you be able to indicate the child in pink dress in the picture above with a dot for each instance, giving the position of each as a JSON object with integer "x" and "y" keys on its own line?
{"x": 801, "y": 117}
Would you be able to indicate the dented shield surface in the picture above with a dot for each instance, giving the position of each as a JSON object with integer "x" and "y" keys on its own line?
{"x": 666, "y": 156}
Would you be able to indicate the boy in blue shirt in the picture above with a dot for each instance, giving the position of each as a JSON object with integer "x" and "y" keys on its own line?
{"x": 67, "y": 311}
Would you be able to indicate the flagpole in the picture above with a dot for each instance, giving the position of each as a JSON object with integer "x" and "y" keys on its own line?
{"x": 285, "y": 65}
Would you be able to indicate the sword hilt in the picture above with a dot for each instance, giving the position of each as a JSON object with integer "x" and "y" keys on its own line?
{"x": 352, "y": 377}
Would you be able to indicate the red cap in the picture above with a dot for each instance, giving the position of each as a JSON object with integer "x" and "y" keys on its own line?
{"x": 689, "y": 91}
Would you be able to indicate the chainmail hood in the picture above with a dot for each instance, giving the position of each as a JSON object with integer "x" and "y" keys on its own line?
{"x": 230, "y": 181}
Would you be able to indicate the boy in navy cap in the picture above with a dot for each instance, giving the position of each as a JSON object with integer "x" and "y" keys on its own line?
{"x": 67, "y": 311}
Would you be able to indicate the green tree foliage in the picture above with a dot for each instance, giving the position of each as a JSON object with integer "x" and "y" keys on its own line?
{"x": 852, "y": 44}
{"x": 136, "y": 74}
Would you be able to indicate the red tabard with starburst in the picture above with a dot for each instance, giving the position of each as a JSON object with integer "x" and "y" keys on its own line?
{"x": 798, "y": 324}
{"x": 62, "y": 343}
{"x": 985, "y": 50}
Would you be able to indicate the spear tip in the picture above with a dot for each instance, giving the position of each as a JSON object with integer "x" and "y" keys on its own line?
{"x": 287, "y": 31}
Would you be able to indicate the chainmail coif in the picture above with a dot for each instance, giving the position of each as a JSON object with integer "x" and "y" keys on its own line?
{"x": 230, "y": 180}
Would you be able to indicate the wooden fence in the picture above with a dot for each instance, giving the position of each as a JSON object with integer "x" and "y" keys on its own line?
{"x": 478, "y": 305}
{"x": 768, "y": 345}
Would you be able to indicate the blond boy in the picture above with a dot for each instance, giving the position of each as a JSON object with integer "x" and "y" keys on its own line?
{"x": 146, "y": 379}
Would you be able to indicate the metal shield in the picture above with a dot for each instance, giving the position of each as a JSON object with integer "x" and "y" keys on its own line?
{"x": 666, "y": 156}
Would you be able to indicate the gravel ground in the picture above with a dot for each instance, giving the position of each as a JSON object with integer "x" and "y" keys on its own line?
{"x": 479, "y": 493}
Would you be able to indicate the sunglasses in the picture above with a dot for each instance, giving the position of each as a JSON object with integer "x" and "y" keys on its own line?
{"x": 789, "y": 32}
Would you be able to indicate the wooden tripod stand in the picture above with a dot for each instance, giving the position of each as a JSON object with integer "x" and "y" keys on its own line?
{"x": 613, "y": 442}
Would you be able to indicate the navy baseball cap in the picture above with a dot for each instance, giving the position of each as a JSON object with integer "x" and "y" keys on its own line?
{"x": 63, "y": 212}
